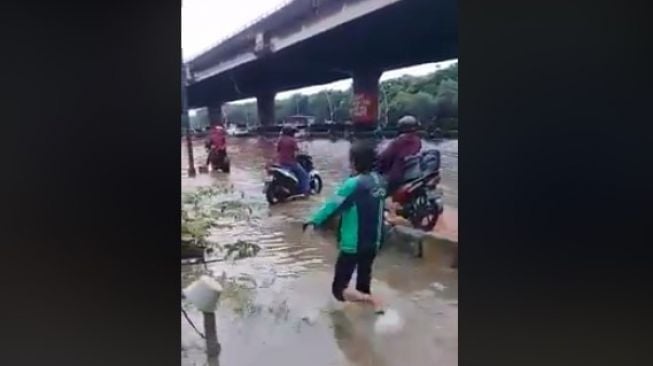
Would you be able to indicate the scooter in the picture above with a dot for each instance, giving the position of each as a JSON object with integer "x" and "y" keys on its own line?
{"x": 282, "y": 185}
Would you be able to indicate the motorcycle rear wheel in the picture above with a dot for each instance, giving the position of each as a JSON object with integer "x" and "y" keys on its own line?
{"x": 424, "y": 214}
{"x": 274, "y": 194}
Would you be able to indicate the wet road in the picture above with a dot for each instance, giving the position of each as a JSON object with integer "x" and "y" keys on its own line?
{"x": 285, "y": 315}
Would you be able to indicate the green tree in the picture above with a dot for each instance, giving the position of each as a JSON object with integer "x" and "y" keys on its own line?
{"x": 447, "y": 99}
{"x": 319, "y": 106}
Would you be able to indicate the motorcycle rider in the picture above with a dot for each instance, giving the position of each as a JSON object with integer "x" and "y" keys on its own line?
{"x": 216, "y": 143}
{"x": 287, "y": 149}
{"x": 391, "y": 160}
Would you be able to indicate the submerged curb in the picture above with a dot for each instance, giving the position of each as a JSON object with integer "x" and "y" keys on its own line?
{"x": 414, "y": 239}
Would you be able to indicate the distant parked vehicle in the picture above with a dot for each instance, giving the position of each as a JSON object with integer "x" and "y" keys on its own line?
{"x": 299, "y": 120}
{"x": 238, "y": 130}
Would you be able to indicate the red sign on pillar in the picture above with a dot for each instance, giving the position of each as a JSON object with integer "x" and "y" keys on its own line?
{"x": 365, "y": 107}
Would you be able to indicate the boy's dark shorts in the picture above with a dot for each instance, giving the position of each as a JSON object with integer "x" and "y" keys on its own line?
{"x": 345, "y": 266}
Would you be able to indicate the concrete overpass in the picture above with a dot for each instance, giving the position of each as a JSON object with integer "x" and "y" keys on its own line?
{"x": 309, "y": 42}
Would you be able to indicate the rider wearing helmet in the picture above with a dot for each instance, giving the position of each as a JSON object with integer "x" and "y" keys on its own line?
{"x": 216, "y": 142}
{"x": 391, "y": 160}
{"x": 286, "y": 153}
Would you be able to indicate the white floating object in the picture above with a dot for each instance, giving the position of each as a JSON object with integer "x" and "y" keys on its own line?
{"x": 389, "y": 322}
{"x": 311, "y": 317}
{"x": 438, "y": 286}
{"x": 204, "y": 293}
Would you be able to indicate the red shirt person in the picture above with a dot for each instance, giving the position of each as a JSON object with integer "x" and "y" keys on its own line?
{"x": 391, "y": 160}
{"x": 216, "y": 143}
{"x": 217, "y": 138}
{"x": 287, "y": 149}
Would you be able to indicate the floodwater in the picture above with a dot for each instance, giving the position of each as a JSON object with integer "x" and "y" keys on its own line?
{"x": 283, "y": 312}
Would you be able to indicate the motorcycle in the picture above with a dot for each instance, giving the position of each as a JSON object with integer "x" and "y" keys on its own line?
{"x": 420, "y": 200}
{"x": 282, "y": 185}
{"x": 218, "y": 160}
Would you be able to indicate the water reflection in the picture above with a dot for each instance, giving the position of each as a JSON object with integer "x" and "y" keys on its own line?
{"x": 354, "y": 342}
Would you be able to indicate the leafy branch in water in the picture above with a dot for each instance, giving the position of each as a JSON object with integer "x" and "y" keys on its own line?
{"x": 195, "y": 226}
{"x": 198, "y": 217}
{"x": 202, "y": 211}
{"x": 241, "y": 249}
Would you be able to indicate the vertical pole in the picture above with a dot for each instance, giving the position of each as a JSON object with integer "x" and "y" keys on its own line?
{"x": 186, "y": 122}
{"x": 210, "y": 332}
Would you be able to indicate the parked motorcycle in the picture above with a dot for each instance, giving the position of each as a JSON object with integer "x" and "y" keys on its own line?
{"x": 282, "y": 185}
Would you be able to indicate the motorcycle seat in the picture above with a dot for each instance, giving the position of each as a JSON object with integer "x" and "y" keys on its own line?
{"x": 411, "y": 182}
{"x": 284, "y": 170}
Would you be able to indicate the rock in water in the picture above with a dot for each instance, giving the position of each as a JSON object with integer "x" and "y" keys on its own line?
{"x": 389, "y": 322}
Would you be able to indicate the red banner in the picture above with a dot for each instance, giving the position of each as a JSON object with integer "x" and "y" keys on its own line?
{"x": 365, "y": 108}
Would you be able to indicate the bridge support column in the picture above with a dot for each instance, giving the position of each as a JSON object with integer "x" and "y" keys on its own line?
{"x": 365, "y": 102}
{"x": 215, "y": 114}
{"x": 265, "y": 106}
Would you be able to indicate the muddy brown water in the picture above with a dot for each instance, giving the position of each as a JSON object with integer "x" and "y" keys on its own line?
{"x": 285, "y": 314}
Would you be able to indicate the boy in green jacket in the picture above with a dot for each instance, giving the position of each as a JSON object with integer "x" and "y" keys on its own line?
{"x": 359, "y": 201}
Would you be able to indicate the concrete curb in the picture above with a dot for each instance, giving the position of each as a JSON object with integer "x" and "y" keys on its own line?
{"x": 416, "y": 238}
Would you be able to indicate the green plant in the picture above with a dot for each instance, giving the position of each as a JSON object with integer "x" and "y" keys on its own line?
{"x": 202, "y": 210}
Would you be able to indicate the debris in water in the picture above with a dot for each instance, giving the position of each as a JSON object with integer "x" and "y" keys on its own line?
{"x": 242, "y": 249}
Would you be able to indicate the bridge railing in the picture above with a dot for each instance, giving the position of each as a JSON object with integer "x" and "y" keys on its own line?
{"x": 242, "y": 29}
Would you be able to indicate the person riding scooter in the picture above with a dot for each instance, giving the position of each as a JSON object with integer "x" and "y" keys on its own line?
{"x": 287, "y": 149}
{"x": 216, "y": 143}
{"x": 392, "y": 159}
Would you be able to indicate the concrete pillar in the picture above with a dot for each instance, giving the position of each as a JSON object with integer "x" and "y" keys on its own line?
{"x": 365, "y": 101}
{"x": 265, "y": 106}
{"x": 215, "y": 114}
